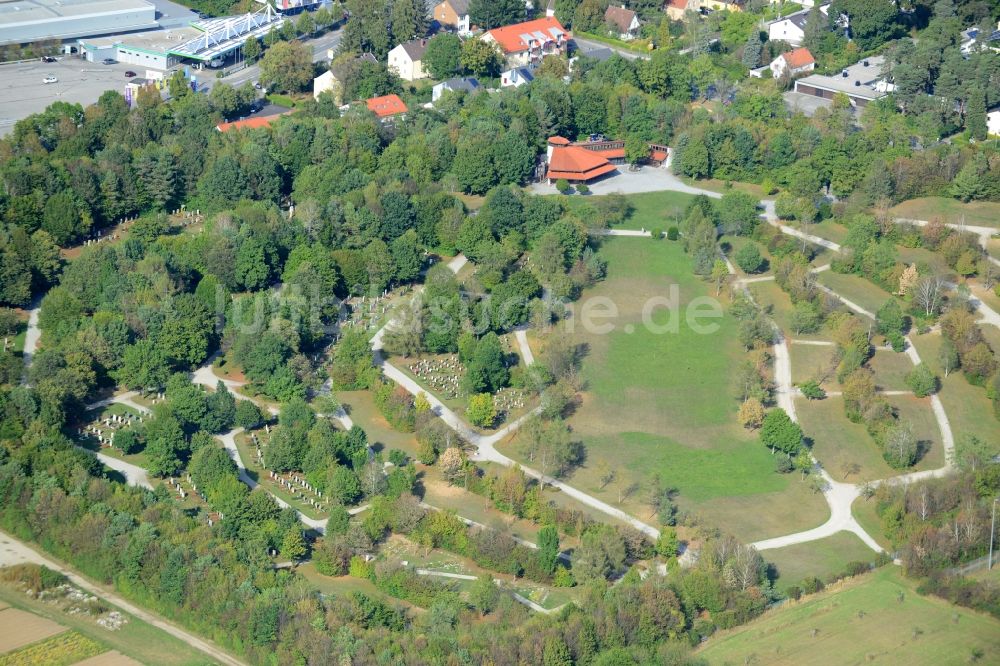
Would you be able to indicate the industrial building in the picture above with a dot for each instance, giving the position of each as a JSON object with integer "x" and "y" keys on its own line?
{"x": 862, "y": 82}
{"x": 25, "y": 21}
{"x": 208, "y": 41}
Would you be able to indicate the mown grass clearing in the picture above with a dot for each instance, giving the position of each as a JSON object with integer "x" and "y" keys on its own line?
{"x": 651, "y": 210}
{"x": 890, "y": 369}
{"x": 969, "y": 410}
{"x": 822, "y": 558}
{"x": 876, "y": 618}
{"x": 863, "y": 511}
{"x": 813, "y": 362}
{"x": 856, "y": 289}
{"x": 662, "y": 404}
{"x": 849, "y": 453}
{"x": 951, "y": 211}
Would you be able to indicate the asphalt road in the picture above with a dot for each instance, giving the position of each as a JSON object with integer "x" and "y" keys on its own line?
{"x": 321, "y": 45}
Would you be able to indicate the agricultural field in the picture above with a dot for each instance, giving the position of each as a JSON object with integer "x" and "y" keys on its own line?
{"x": 72, "y": 635}
{"x": 663, "y": 405}
{"x": 822, "y": 558}
{"x": 876, "y": 618}
{"x": 952, "y": 211}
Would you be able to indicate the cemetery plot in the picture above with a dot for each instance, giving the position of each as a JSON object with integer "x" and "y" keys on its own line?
{"x": 370, "y": 312}
{"x": 101, "y": 426}
{"x": 290, "y": 487}
{"x": 442, "y": 374}
{"x": 184, "y": 490}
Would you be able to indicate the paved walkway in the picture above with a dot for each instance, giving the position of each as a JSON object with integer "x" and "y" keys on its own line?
{"x": 32, "y": 334}
{"x": 15, "y": 551}
{"x": 521, "y": 334}
{"x": 485, "y": 444}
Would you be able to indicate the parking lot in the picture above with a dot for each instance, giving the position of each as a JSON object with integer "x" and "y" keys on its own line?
{"x": 23, "y": 93}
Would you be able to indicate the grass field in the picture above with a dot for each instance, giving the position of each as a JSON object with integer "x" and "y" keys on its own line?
{"x": 839, "y": 444}
{"x": 361, "y": 407}
{"x": 855, "y": 288}
{"x": 662, "y": 404}
{"x": 779, "y": 305}
{"x": 822, "y": 558}
{"x": 890, "y": 370}
{"x": 863, "y": 511}
{"x": 135, "y": 638}
{"x": 951, "y": 211}
{"x": 813, "y": 362}
{"x": 860, "y": 621}
{"x": 651, "y": 209}
{"x": 969, "y": 410}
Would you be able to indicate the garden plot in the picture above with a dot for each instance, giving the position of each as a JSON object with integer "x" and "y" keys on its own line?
{"x": 18, "y": 628}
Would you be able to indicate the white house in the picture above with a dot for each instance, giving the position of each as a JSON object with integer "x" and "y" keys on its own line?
{"x": 623, "y": 22}
{"x": 796, "y": 61}
{"x": 993, "y": 123}
{"x": 405, "y": 59}
{"x": 516, "y": 77}
{"x": 466, "y": 83}
{"x": 790, "y": 29}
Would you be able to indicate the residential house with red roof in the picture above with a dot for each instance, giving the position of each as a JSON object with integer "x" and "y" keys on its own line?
{"x": 525, "y": 44}
{"x": 249, "y": 123}
{"x": 797, "y": 61}
{"x": 386, "y": 107}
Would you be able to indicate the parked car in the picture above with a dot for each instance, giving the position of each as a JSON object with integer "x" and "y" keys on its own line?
{"x": 50, "y": 79}
{"x": 48, "y": 59}
{"x": 130, "y": 74}
{"x": 109, "y": 61}
{"x": 256, "y": 106}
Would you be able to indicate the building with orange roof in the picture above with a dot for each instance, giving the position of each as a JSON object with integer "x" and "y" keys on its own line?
{"x": 575, "y": 163}
{"x": 250, "y": 123}
{"x": 796, "y": 61}
{"x": 525, "y": 44}
{"x": 387, "y": 106}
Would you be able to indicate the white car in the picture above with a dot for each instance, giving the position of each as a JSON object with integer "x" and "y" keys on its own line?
{"x": 50, "y": 79}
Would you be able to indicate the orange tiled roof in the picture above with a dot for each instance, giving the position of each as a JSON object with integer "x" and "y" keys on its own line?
{"x": 798, "y": 58}
{"x": 678, "y": 4}
{"x": 388, "y": 105}
{"x": 559, "y": 141}
{"x": 512, "y": 38}
{"x": 575, "y": 163}
{"x": 248, "y": 123}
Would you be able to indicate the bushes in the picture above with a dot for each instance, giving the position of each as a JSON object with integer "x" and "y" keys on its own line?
{"x": 673, "y": 233}
{"x": 922, "y": 381}
{"x": 749, "y": 259}
{"x": 397, "y": 406}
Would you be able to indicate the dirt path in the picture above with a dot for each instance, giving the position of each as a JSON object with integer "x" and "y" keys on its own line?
{"x": 14, "y": 551}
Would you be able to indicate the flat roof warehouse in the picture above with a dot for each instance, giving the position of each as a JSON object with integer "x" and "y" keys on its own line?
{"x": 23, "y": 21}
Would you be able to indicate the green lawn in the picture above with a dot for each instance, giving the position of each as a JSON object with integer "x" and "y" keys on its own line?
{"x": 663, "y": 404}
{"x": 812, "y": 362}
{"x": 951, "y": 211}
{"x": 828, "y": 229}
{"x": 822, "y": 558}
{"x": 361, "y": 407}
{"x": 839, "y": 444}
{"x": 136, "y": 638}
{"x": 863, "y": 511}
{"x": 890, "y": 369}
{"x": 969, "y": 410}
{"x": 779, "y": 304}
{"x": 651, "y": 209}
{"x": 862, "y": 620}
{"x": 856, "y": 289}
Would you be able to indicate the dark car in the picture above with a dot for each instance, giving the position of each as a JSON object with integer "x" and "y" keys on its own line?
{"x": 48, "y": 59}
{"x": 257, "y": 106}
{"x": 130, "y": 74}
{"x": 109, "y": 61}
